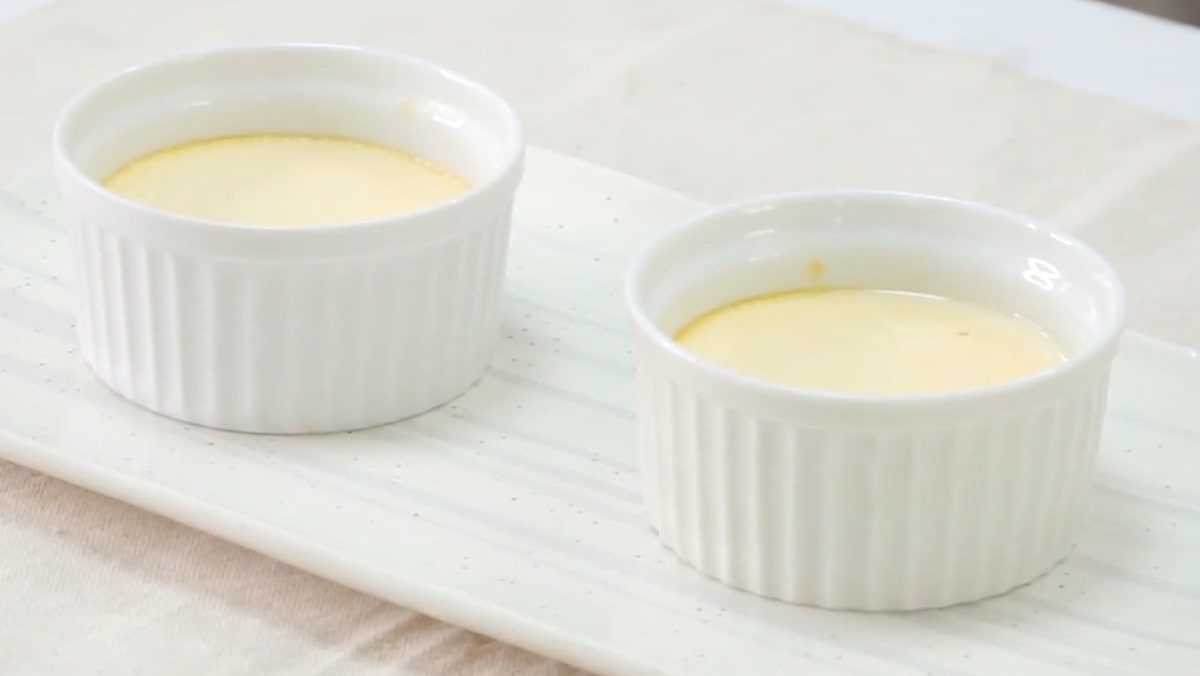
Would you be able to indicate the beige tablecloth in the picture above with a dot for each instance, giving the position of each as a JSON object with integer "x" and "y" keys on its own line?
{"x": 717, "y": 99}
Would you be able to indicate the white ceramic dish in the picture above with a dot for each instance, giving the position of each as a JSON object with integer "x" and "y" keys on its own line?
{"x": 870, "y": 502}
{"x": 516, "y": 511}
{"x": 268, "y": 329}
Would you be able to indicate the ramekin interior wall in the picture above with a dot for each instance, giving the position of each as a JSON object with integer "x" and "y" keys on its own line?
{"x": 898, "y": 243}
{"x": 360, "y": 94}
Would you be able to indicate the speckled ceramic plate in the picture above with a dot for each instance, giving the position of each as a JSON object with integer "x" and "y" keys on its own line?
{"x": 515, "y": 511}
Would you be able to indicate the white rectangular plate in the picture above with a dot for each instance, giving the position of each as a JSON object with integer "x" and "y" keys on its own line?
{"x": 515, "y": 511}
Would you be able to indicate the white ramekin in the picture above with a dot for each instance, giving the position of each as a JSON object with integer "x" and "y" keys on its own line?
{"x": 858, "y": 502}
{"x": 289, "y": 330}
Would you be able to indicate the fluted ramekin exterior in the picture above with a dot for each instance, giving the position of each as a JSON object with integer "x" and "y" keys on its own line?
{"x": 298, "y": 346}
{"x": 869, "y": 502}
{"x": 859, "y": 518}
{"x": 289, "y": 330}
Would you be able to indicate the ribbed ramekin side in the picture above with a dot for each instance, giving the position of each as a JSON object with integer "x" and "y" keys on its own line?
{"x": 876, "y": 520}
{"x": 290, "y": 346}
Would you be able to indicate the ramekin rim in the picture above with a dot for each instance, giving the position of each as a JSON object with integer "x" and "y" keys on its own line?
{"x": 1095, "y": 348}
{"x": 509, "y": 172}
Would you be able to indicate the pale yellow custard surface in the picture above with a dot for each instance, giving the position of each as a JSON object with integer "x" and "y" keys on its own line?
{"x": 284, "y": 180}
{"x": 863, "y": 341}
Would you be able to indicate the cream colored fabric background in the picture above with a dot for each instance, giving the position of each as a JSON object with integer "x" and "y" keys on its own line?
{"x": 716, "y": 99}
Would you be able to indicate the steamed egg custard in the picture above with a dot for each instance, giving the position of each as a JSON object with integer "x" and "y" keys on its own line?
{"x": 285, "y": 180}
{"x": 871, "y": 342}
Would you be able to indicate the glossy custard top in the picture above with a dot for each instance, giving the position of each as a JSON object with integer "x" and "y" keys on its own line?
{"x": 867, "y": 341}
{"x": 285, "y": 180}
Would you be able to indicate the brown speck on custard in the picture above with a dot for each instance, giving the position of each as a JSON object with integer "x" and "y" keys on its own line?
{"x": 816, "y": 267}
